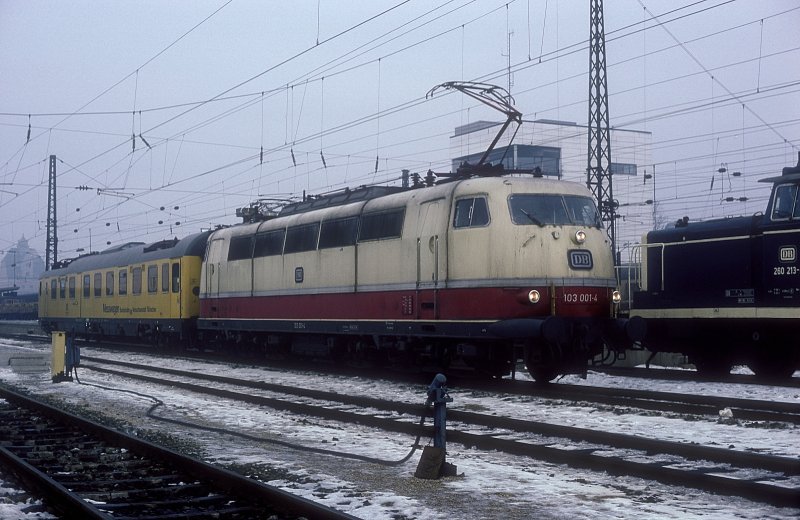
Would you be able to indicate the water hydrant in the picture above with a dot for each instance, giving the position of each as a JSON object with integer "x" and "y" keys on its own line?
{"x": 433, "y": 465}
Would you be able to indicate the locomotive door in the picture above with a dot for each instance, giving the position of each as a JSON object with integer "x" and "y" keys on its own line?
{"x": 431, "y": 256}
{"x": 213, "y": 255}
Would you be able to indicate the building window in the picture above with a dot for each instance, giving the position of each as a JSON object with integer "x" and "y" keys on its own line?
{"x": 521, "y": 157}
{"x": 471, "y": 212}
{"x": 622, "y": 169}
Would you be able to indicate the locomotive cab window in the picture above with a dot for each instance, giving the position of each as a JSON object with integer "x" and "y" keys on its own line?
{"x": 786, "y": 206}
{"x": 472, "y": 212}
{"x": 553, "y": 210}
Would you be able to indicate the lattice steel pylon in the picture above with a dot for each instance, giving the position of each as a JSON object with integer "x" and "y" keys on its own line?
{"x": 598, "y": 170}
{"x": 52, "y": 227}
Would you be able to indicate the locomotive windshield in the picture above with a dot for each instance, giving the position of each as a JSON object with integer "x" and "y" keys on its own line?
{"x": 552, "y": 209}
{"x": 786, "y": 205}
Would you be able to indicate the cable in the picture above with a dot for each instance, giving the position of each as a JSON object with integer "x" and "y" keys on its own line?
{"x": 157, "y": 403}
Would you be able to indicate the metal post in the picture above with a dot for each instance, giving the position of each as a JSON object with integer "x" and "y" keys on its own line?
{"x": 51, "y": 254}
{"x": 437, "y": 394}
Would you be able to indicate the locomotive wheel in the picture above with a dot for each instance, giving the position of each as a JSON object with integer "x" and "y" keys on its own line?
{"x": 543, "y": 361}
{"x": 770, "y": 365}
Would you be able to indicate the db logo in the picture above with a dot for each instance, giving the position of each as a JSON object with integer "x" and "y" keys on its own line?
{"x": 788, "y": 254}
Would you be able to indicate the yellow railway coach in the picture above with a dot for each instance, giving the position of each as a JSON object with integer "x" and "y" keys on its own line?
{"x": 144, "y": 291}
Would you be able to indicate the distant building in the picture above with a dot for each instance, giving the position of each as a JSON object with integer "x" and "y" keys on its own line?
{"x": 560, "y": 149}
{"x": 21, "y": 267}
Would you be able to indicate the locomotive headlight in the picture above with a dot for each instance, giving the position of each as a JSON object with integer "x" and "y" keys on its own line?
{"x": 616, "y": 297}
{"x": 534, "y": 296}
{"x": 580, "y": 236}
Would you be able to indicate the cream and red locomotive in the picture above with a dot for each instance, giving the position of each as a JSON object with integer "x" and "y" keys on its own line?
{"x": 473, "y": 273}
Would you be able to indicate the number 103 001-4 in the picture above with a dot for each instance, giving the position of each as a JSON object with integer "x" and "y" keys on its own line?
{"x": 785, "y": 270}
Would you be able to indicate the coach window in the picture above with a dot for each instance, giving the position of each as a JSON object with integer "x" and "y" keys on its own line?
{"x": 471, "y": 212}
{"x": 110, "y": 283}
{"x": 53, "y": 288}
{"x": 165, "y": 277}
{"x": 72, "y": 287}
{"x": 152, "y": 279}
{"x": 87, "y": 285}
{"x": 338, "y": 233}
{"x": 98, "y": 285}
{"x": 301, "y": 238}
{"x": 785, "y": 205}
{"x": 62, "y": 288}
{"x": 136, "y": 283}
{"x": 176, "y": 277}
{"x": 123, "y": 282}
{"x": 269, "y": 243}
{"x": 385, "y": 224}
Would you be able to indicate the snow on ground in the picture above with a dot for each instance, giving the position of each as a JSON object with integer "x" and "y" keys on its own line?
{"x": 490, "y": 485}
{"x": 16, "y": 504}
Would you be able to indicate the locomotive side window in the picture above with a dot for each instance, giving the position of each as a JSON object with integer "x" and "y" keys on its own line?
{"x": 98, "y": 285}
{"x": 786, "y": 205}
{"x": 87, "y": 285}
{"x": 110, "y": 283}
{"x": 53, "y": 286}
{"x": 152, "y": 279}
{"x": 123, "y": 282}
{"x": 165, "y": 277}
{"x": 471, "y": 212}
{"x": 301, "y": 238}
{"x": 269, "y": 243}
{"x": 241, "y": 248}
{"x": 338, "y": 233}
{"x": 386, "y": 224}
{"x": 547, "y": 209}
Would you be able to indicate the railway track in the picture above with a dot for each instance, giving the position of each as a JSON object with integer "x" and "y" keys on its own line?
{"x": 760, "y": 477}
{"x": 86, "y": 470}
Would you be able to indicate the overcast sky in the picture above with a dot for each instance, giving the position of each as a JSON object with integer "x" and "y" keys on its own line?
{"x": 326, "y": 87}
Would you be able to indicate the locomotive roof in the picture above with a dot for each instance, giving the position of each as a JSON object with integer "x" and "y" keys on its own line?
{"x": 135, "y": 252}
{"x": 789, "y": 174}
{"x": 398, "y": 198}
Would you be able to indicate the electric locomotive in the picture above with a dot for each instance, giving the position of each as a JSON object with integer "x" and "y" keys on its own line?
{"x": 147, "y": 292}
{"x": 472, "y": 272}
{"x": 727, "y": 291}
